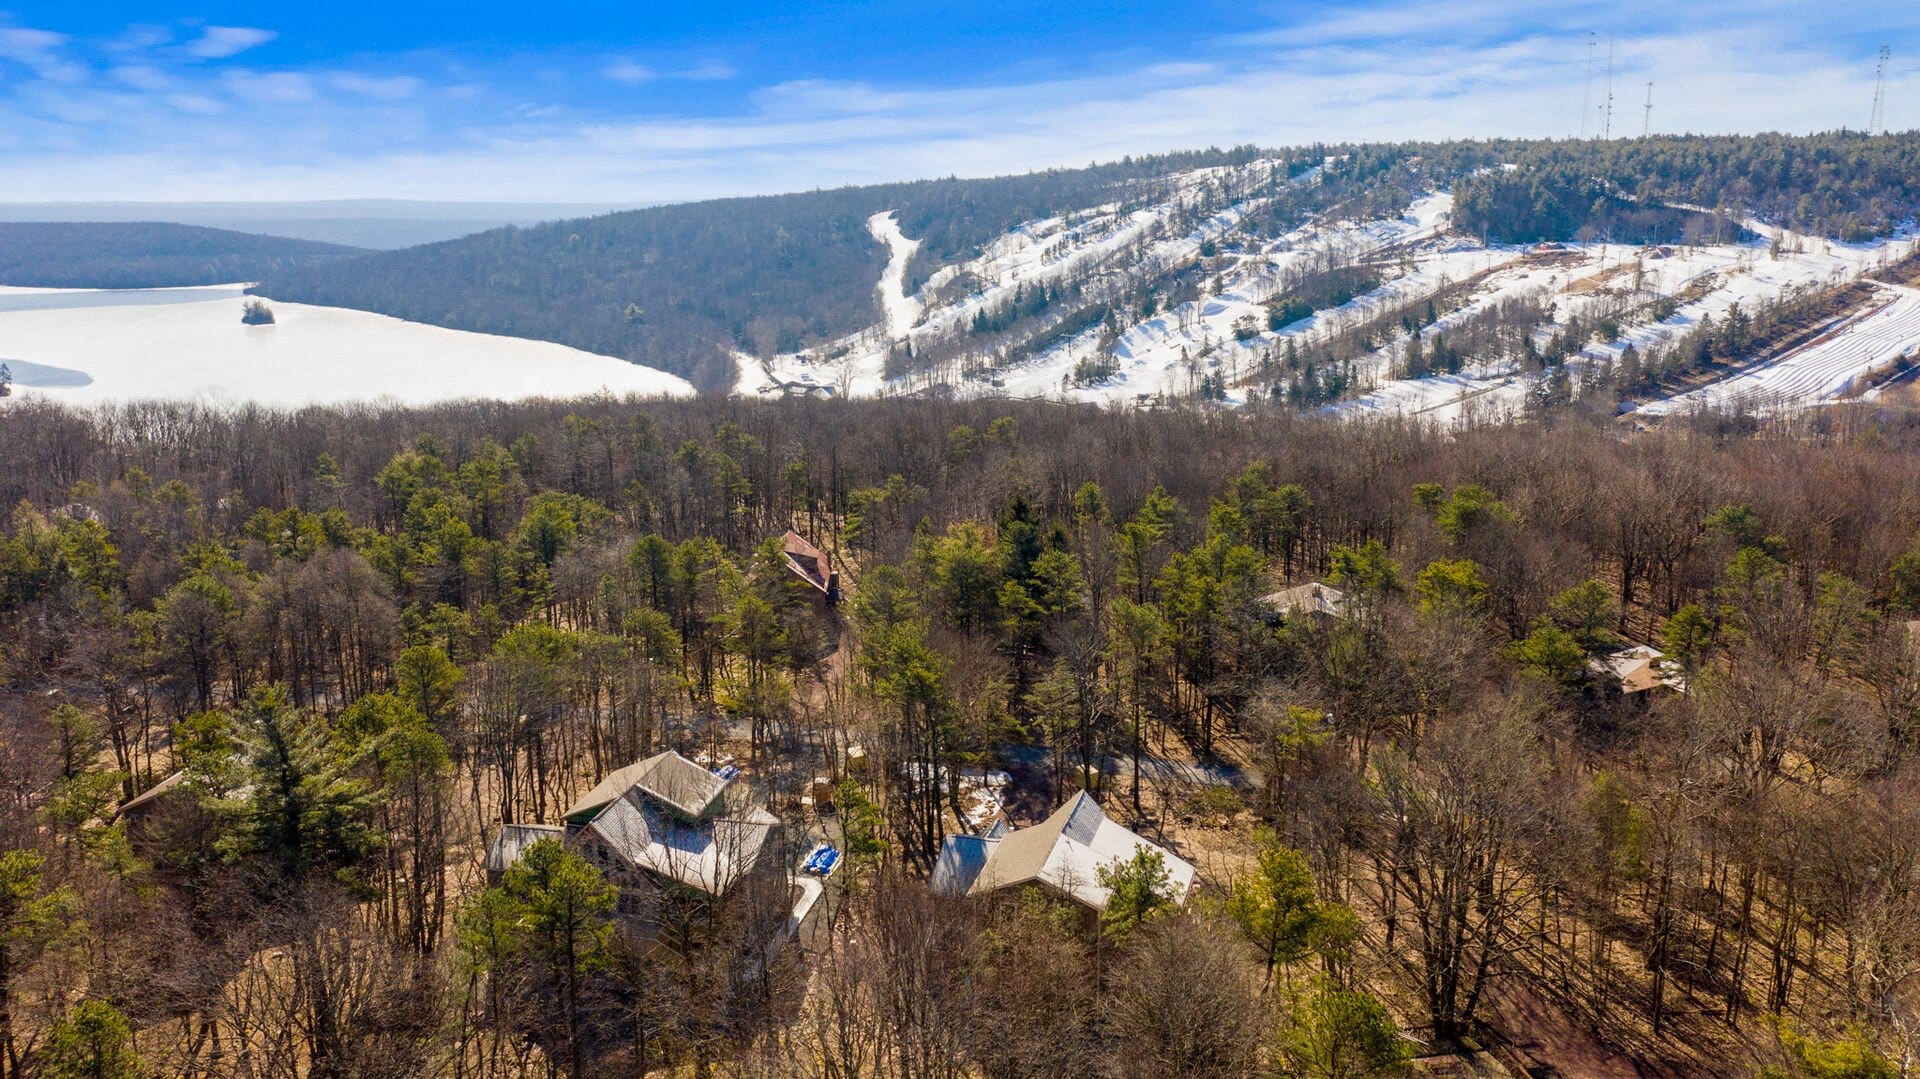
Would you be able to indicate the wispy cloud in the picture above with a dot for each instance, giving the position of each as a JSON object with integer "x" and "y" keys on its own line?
{"x": 40, "y": 50}
{"x": 155, "y": 118}
{"x": 273, "y": 87}
{"x": 198, "y": 104}
{"x": 220, "y": 42}
{"x": 143, "y": 77}
{"x": 633, "y": 72}
{"x": 28, "y": 46}
{"x": 629, "y": 72}
{"x": 389, "y": 88}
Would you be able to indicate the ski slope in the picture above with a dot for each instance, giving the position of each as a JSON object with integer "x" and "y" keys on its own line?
{"x": 901, "y": 309}
{"x": 1829, "y": 367}
{"x": 1715, "y": 277}
{"x": 1219, "y": 338}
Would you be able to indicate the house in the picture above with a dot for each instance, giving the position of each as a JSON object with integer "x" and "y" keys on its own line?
{"x": 140, "y": 806}
{"x": 1063, "y": 854}
{"x": 811, "y": 565}
{"x": 1638, "y": 669}
{"x": 511, "y": 841}
{"x": 660, "y": 824}
{"x": 1321, "y": 602}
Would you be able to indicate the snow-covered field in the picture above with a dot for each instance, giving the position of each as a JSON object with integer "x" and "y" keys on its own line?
{"x": 190, "y": 344}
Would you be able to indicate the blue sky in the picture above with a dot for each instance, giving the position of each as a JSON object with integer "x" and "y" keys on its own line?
{"x": 629, "y": 102}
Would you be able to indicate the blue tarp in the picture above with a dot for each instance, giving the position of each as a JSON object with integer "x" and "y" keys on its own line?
{"x": 822, "y": 861}
{"x": 727, "y": 771}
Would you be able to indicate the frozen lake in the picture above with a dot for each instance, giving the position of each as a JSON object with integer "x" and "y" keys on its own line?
{"x": 43, "y": 376}
{"x": 44, "y": 299}
{"x": 88, "y": 347}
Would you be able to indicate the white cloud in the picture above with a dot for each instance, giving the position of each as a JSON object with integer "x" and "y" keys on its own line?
{"x": 28, "y": 46}
{"x": 273, "y": 87}
{"x": 142, "y": 77}
{"x": 141, "y": 38}
{"x": 198, "y": 104}
{"x": 816, "y": 96}
{"x": 633, "y": 72}
{"x": 629, "y": 72}
{"x": 41, "y": 51}
{"x": 392, "y": 88}
{"x": 1181, "y": 70}
{"x": 219, "y": 42}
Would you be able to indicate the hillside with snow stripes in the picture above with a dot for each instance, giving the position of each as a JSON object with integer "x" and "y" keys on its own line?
{"x": 1150, "y": 301}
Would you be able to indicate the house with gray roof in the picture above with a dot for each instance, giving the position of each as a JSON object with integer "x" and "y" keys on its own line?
{"x": 658, "y": 824}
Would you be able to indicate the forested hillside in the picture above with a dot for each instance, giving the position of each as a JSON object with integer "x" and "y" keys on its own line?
{"x": 670, "y": 286}
{"x": 674, "y": 286}
{"x": 99, "y": 254}
{"x": 1844, "y": 185}
{"x": 338, "y": 648}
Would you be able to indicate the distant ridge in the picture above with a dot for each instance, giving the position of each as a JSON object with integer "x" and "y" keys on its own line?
{"x": 674, "y": 286}
{"x": 379, "y": 224}
{"x": 149, "y": 254}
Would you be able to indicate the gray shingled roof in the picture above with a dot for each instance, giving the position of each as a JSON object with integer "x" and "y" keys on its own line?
{"x": 711, "y": 854}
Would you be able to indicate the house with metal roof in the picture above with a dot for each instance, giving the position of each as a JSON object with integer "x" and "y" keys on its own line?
{"x": 138, "y": 806}
{"x": 666, "y": 779}
{"x": 1063, "y": 854}
{"x": 811, "y": 564}
{"x": 511, "y": 841}
{"x": 1638, "y": 669}
{"x": 657, "y": 824}
{"x": 1322, "y": 602}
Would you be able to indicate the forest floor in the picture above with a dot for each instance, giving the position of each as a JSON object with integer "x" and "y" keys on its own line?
{"x": 1553, "y": 1043}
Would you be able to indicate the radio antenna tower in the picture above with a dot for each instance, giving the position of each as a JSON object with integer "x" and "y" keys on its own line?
{"x": 1606, "y": 131}
{"x": 1878, "y": 119}
{"x": 1586, "y": 99}
{"x": 1646, "y": 118}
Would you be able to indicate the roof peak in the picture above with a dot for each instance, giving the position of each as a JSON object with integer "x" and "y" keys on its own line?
{"x": 667, "y": 777}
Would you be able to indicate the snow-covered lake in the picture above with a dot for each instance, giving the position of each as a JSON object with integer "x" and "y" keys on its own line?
{"x": 89, "y": 346}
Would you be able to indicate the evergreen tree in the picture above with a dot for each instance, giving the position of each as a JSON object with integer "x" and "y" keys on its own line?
{"x": 1137, "y": 889}
{"x": 93, "y": 1041}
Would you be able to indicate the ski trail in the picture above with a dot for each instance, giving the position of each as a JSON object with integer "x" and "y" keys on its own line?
{"x": 901, "y": 309}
